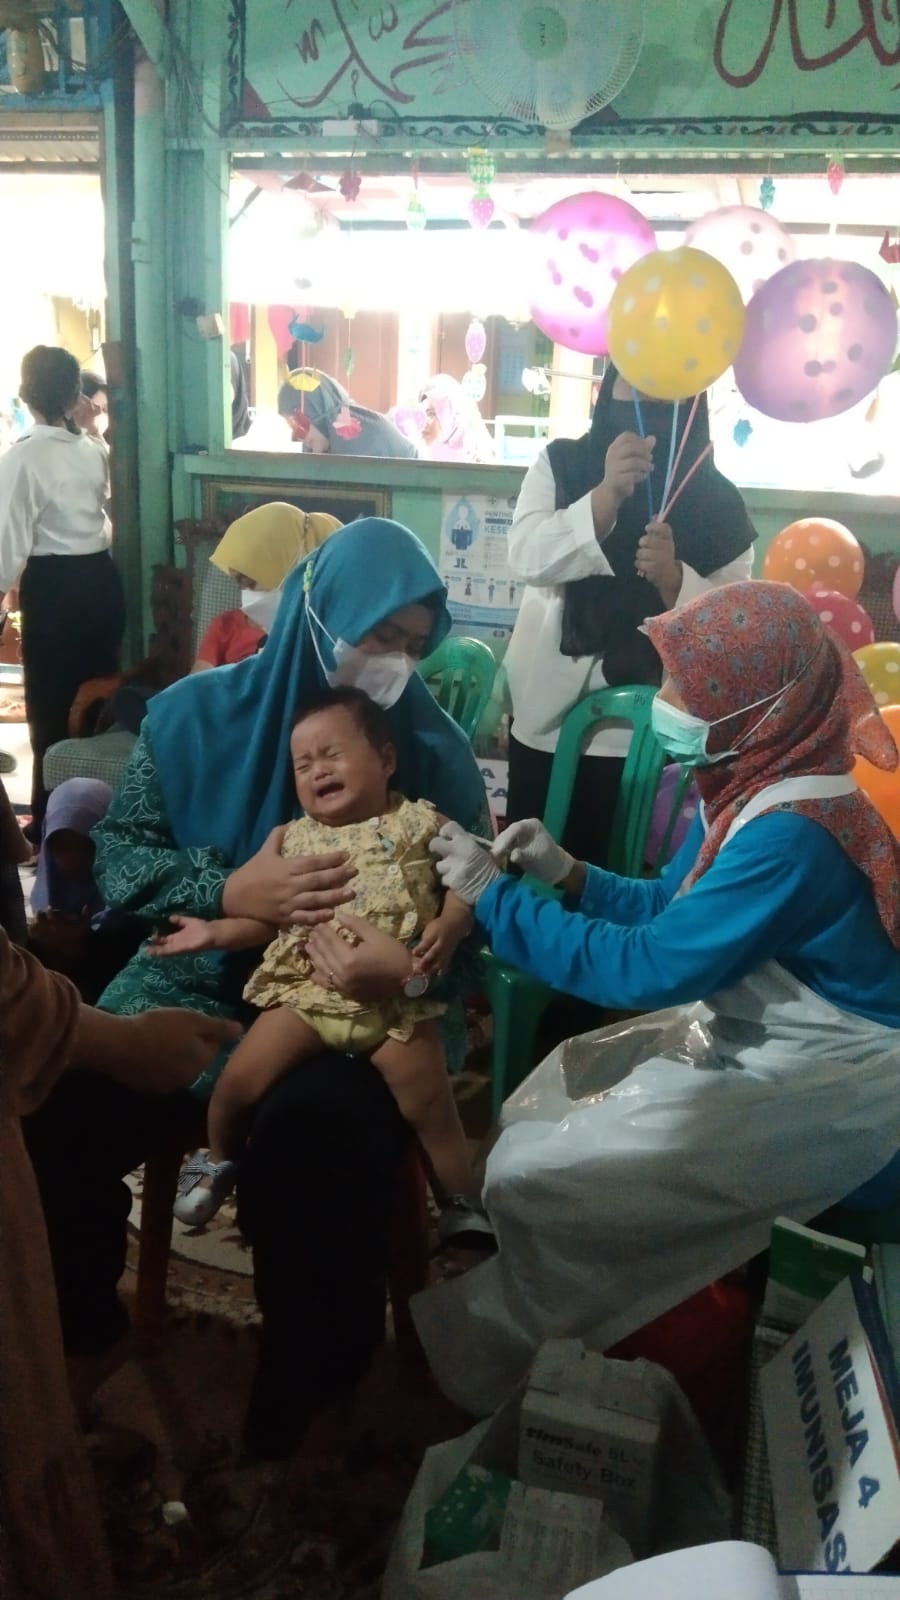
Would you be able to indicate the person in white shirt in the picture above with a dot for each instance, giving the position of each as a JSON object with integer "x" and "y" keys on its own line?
{"x": 587, "y": 542}
{"x": 54, "y": 544}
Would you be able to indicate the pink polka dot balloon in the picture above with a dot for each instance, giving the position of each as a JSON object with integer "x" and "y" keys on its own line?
{"x": 750, "y": 242}
{"x": 820, "y": 335}
{"x": 844, "y": 617}
{"x": 580, "y": 247}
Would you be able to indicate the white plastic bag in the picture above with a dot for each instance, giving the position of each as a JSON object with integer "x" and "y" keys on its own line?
{"x": 482, "y": 1574}
{"x": 693, "y": 1506}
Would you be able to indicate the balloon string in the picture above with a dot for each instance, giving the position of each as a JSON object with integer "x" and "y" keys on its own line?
{"x": 685, "y": 481}
{"x": 673, "y": 466}
{"x": 672, "y": 437}
{"x": 640, "y": 423}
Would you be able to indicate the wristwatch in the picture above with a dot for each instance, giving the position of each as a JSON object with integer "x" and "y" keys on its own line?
{"x": 416, "y": 986}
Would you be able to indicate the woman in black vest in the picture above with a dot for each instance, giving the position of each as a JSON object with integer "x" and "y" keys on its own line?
{"x": 587, "y": 542}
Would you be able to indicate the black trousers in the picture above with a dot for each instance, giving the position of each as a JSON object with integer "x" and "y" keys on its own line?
{"x": 315, "y": 1194}
{"x": 73, "y": 618}
{"x": 593, "y": 798}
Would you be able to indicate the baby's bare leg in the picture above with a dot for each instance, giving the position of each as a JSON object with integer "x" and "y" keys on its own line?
{"x": 416, "y": 1074}
{"x": 275, "y": 1043}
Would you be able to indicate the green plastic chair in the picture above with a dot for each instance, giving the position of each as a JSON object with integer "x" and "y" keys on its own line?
{"x": 518, "y": 1000}
{"x": 460, "y": 675}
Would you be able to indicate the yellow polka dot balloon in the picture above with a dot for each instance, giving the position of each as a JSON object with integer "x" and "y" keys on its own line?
{"x": 880, "y": 666}
{"x": 675, "y": 323}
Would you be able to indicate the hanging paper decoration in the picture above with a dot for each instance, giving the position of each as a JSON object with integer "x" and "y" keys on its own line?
{"x": 349, "y": 362}
{"x": 300, "y": 426}
{"x": 345, "y": 425}
{"x": 476, "y": 340}
{"x": 741, "y": 432}
{"x": 416, "y": 215}
{"x": 350, "y": 183}
{"x": 890, "y": 249}
{"x": 474, "y": 383}
{"x": 767, "y": 193}
{"x": 305, "y": 332}
{"x": 835, "y": 174}
{"x": 306, "y": 382}
{"x": 481, "y": 211}
{"x": 482, "y": 169}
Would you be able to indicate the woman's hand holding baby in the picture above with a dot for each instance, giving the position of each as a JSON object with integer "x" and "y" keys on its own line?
{"x": 374, "y": 967}
{"x": 303, "y": 890}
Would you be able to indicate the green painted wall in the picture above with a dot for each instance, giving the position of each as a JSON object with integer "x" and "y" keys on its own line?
{"x": 416, "y": 489}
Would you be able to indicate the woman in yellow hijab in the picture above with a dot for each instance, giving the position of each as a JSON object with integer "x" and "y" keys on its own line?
{"x": 258, "y": 551}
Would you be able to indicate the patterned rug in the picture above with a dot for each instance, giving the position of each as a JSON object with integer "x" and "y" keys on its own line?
{"x": 185, "y": 1517}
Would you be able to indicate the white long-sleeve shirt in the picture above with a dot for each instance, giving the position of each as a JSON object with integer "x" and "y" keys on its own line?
{"x": 54, "y": 487}
{"x": 547, "y": 549}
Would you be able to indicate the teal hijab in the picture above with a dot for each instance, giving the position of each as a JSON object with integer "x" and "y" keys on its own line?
{"x": 221, "y": 739}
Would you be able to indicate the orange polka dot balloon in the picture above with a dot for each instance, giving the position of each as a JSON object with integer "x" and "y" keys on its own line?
{"x": 816, "y": 553}
{"x": 883, "y": 788}
{"x": 675, "y": 323}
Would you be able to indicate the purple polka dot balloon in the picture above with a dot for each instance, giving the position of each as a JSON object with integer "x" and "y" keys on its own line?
{"x": 580, "y": 247}
{"x": 751, "y": 243}
{"x": 820, "y": 336}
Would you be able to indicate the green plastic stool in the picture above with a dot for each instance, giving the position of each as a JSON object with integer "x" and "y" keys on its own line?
{"x": 518, "y": 1000}
{"x": 460, "y": 675}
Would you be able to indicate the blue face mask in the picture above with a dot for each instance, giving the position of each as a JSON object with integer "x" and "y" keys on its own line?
{"x": 681, "y": 735}
{"x": 684, "y": 736}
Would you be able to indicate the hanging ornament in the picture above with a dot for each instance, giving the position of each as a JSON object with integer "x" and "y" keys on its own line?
{"x": 474, "y": 383}
{"x": 835, "y": 174}
{"x": 476, "y": 340}
{"x": 889, "y": 250}
{"x": 345, "y": 425}
{"x": 304, "y": 332}
{"x": 482, "y": 169}
{"x": 416, "y": 215}
{"x": 741, "y": 432}
{"x": 349, "y": 362}
{"x": 300, "y": 426}
{"x": 767, "y": 193}
{"x": 305, "y": 382}
{"x": 350, "y": 183}
{"x": 481, "y": 210}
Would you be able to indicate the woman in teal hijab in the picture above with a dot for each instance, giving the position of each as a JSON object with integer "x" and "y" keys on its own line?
{"x": 194, "y": 829}
{"x": 221, "y": 740}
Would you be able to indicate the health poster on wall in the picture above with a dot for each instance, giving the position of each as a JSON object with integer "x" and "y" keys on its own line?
{"x": 484, "y": 596}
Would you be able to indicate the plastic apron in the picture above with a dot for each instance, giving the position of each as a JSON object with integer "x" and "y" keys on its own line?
{"x": 641, "y": 1162}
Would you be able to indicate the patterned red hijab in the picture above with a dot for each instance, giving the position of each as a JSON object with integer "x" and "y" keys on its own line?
{"x": 745, "y": 641}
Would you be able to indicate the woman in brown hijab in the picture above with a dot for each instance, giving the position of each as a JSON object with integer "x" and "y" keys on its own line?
{"x": 50, "y": 1533}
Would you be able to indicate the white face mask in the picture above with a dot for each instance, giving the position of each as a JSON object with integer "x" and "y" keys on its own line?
{"x": 382, "y": 677}
{"x": 261, "y": 606}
